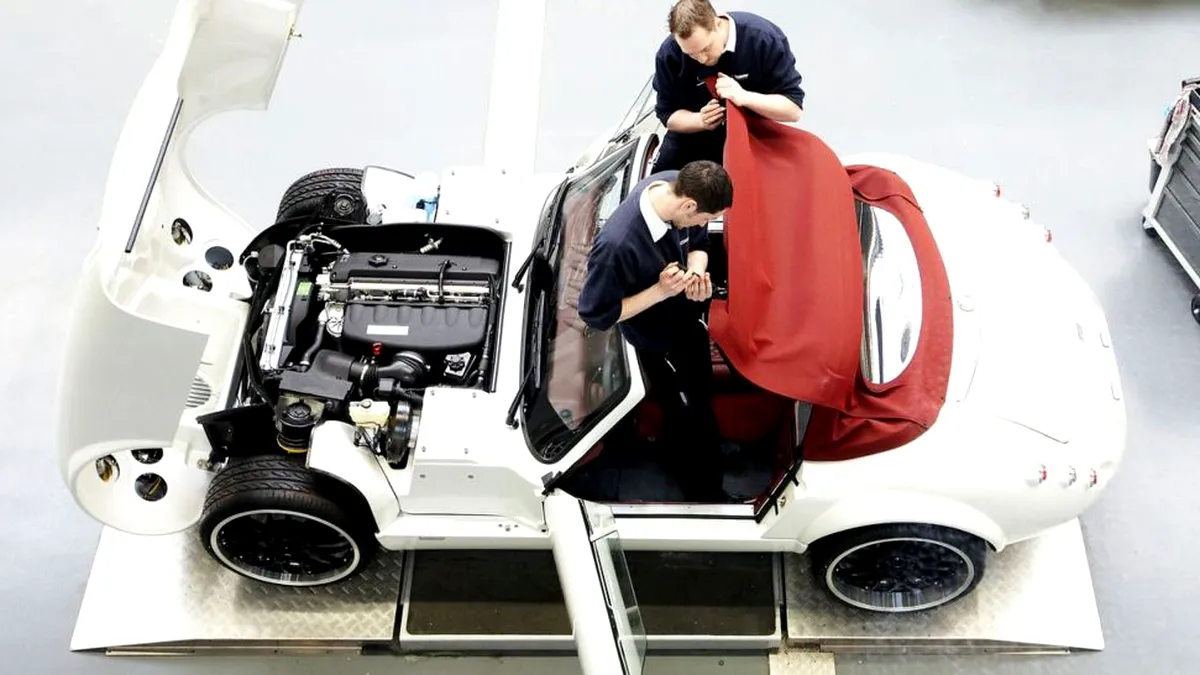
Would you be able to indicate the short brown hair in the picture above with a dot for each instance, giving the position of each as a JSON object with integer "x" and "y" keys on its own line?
{"x": 708, "y": 183}
{"x": 688, "y": 15}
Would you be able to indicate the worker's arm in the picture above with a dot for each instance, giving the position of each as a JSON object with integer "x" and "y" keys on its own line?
{"x": 671, "y": 281}
{"x": 688, "y": 122}
{"x": 772, "y": 106}
{"x": 640, "y": 302}
{"x": 602, "y": 302}
{"x": 782, "y": 97}
{"x": 669, "y": 103}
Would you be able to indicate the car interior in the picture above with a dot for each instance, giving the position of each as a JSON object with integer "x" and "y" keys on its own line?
{"x": 760, "y": 430}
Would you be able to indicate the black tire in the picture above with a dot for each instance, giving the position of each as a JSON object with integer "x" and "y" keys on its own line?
{"x": 252, "y": 497}
{"x": 858, "y": 567}
{"x": 329, "y": 193}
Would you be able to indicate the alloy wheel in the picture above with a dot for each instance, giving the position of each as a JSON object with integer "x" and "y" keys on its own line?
{"x": 903, "y": 574}
{"x": 285, "y": 547}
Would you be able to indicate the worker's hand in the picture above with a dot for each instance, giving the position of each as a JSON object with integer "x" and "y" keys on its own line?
{"x": 712, "y": 115}
{"x": 730, "y": 89}
{"x": 672, "y": 280}
{"x": 699, "y": 286}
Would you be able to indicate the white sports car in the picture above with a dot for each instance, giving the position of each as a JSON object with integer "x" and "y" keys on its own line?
{"x": 913, "y": 375}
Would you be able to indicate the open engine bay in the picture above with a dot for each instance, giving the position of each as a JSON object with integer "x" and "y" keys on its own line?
{"x": 352, "y": 323}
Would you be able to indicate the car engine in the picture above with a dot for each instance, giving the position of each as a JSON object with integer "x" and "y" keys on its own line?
{"x": 357, "y": 335}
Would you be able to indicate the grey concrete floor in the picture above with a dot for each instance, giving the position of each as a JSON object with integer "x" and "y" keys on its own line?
{"x": 1053, "y": 99}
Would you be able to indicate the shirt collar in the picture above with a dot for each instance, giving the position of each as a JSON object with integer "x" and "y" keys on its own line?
{"x": 657, "y": 226}
{"x": 731, "y": 43}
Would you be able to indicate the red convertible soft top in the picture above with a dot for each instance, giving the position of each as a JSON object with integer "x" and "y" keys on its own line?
{"x": 793, "y": 321}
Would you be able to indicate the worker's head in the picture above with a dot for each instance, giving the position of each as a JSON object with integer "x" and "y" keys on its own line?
{"x": 702, "y": 191}
{"x": 697, "y": 31}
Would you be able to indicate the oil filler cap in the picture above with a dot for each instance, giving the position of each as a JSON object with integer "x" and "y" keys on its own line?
{"x": 378, "y": 260}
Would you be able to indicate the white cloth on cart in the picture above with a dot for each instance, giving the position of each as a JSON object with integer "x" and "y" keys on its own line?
{"x": 1166, "y": 150}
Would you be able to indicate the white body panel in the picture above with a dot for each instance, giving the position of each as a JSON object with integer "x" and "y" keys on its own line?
{"x": 138, "y": 336}
{"x": 1034, "y": 381}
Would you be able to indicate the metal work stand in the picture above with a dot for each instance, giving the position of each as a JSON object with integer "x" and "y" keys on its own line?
{"x": 153, "y": 595}
{"x": 1173, "y": 212}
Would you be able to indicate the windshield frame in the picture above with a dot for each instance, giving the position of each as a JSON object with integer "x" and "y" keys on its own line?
{"x": 547, "y": 435}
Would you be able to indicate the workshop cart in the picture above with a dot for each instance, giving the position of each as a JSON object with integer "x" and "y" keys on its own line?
{"x": 1173, "y": 211}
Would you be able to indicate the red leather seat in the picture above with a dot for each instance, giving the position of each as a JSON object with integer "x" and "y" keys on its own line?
{"x": 720, "y": 367}
{"x": 742, "y": 417}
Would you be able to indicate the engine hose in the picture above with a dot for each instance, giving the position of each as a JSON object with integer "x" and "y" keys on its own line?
{"x": 485, "y": 357}
{"x": 409, "y": 396}
{"x": 253, "y": 375}
{"x": 442, "y": 280}
{"x": 317, "y": 342}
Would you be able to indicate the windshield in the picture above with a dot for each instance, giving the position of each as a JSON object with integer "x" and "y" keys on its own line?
{"x": 892, "y": 295}
{"x": 585, "y": 371}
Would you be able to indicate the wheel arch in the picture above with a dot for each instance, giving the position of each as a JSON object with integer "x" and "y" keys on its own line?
{"x": 352, "y": 472}
{"x": 344, "y": 490}
{"x": 902, "y": 508}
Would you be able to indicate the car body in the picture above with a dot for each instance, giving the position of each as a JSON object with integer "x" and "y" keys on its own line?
{"x": 467, "y": 406}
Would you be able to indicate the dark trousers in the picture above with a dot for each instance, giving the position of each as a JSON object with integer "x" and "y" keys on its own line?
{"x": 680, "y": 380}
{"x": 679, "y": 149}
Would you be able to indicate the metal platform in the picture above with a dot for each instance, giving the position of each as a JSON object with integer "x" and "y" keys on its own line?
{"x": 165, "y": 595}
{"x": 1035, "y": 597}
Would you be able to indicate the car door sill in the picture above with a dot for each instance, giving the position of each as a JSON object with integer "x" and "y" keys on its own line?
{"x": 724, "y": 511}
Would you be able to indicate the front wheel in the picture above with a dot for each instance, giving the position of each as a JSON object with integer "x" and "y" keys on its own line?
{"x": 273, "y": 520}
{"x": 899, "y": 568}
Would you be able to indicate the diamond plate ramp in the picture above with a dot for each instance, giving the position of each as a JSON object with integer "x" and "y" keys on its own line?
{"x": 166, "y": 593}
{"x": 1036, "y": 596}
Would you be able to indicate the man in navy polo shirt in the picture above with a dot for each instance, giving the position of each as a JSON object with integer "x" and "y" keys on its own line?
{"x": 647, "y": 273}
{"x": 754, "y": 66}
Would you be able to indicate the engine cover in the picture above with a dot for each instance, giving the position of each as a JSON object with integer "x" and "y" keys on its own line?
{"x": 412, "y": 266}
{"x": 419, "y": 328}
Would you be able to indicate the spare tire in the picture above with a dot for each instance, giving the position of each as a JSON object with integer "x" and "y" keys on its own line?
{"x": 334, "y": 193}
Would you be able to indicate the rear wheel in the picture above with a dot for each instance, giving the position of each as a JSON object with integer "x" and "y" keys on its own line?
{"x": 273, "y": 520}
{"x": 899, "y": 568}
{"x": 328, "y": 193}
